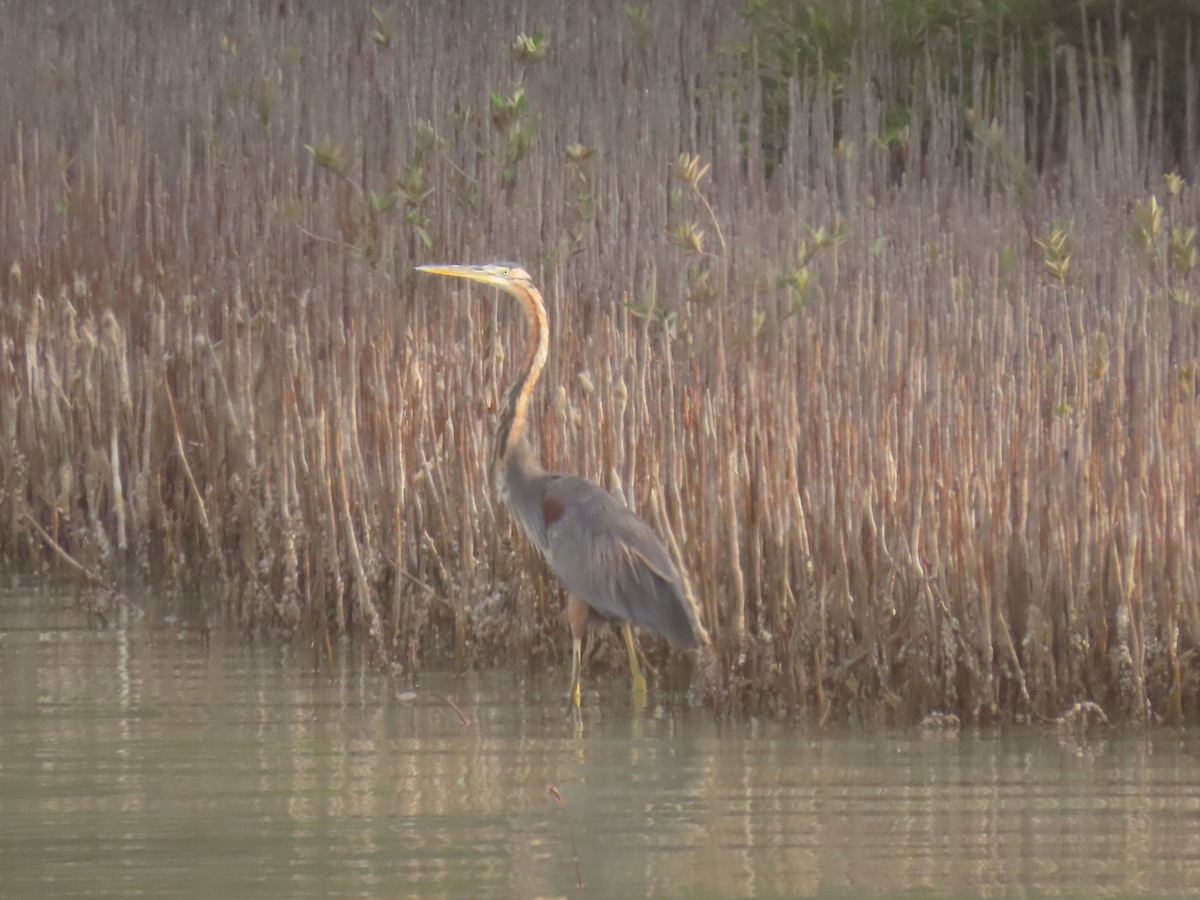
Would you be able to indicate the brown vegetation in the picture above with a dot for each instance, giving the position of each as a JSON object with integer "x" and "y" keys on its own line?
{"x": 941, "y": 455}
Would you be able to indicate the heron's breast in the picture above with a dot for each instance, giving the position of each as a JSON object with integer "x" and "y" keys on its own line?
{"x": 526, "y": 508}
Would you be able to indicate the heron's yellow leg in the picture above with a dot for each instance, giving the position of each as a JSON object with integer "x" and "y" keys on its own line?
{"x": 576, "y": 653}
{"x": 577, "y": 615}
{"x": 639, "y": 682}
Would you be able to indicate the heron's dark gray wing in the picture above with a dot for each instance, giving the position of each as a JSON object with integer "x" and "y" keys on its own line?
{"x": 611, "y": 560}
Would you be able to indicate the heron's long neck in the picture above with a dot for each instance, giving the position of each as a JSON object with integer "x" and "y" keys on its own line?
{"x": 510, "y": 430}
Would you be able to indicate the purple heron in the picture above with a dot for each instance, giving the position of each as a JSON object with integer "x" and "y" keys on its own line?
{"x": 614, "y": 567}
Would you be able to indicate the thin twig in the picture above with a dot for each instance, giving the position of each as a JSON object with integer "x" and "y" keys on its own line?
{"x": 325, "y": 240}
{"x": 462, "y": 716}
{"x": 558, "y": 798}
{"x": 94, "y": 577}
{"x": 187, "y": 470}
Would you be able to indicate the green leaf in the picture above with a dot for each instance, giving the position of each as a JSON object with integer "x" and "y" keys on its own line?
{"x": 381, "y": 204}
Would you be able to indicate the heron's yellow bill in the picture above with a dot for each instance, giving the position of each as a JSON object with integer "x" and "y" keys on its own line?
{"x": 498, "y": 275}
{"x": 454, "y": 271}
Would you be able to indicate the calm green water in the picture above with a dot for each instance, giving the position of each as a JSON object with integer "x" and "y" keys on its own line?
{"x": 140, "y": 761}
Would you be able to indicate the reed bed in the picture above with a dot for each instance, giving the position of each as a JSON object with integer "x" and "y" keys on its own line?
{"x": 940, "y": 457}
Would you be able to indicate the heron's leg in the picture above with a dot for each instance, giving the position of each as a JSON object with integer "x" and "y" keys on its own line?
{"x": 577, "y": 615}
{"x": 639, "y": 682}
{"x": 574, "y": 693}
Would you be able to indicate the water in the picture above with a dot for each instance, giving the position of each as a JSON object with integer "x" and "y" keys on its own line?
{"x": 141, "y": 761}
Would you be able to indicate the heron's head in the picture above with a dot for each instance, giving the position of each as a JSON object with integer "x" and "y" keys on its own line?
{"x": 506, "y": 276}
